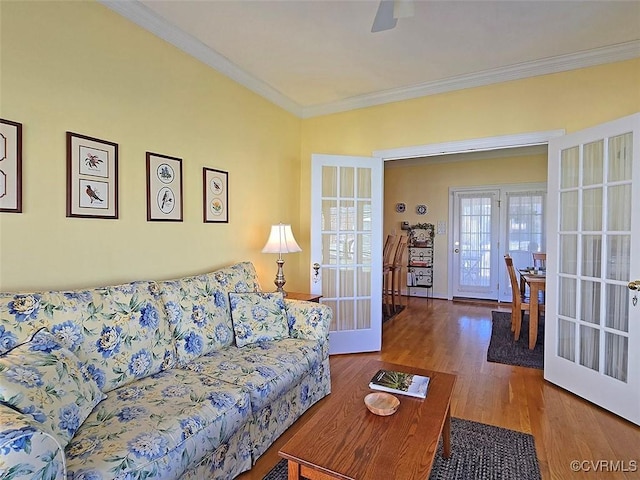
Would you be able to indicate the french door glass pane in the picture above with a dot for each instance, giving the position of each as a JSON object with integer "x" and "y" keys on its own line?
{"x": 568, "y": 247}
{"x": 590, "y": 347}
{"x": 567, "y": 339}
{"x": 617, "y": 315}
{"x": 569, "y": 167}
{"x": 567, "y": 297}
{"x": 364, "y": 182}
{"x": 593, "y": 163}
{"x": 347, "y": 182}
{"x": 329, "y": 182}
{"x": 330, "y": 283}
{"x": 568, "y": 211}
{"x": 620, "y": 156}
{"x": 591, "y": 255}
{"x": 619, "y": 207}
{"x": 616, "y": 348}
{"x": 592, "y": 209}
{"x": 364, "y": 318}
{"x": 363, "y": 287}
{"x": 590, "y": 305}
{"x": 618, "y": 255}
{"x": 363, "y": 248}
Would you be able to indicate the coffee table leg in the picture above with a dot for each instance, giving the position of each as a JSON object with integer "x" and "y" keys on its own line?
{"x": 446, "y": 435}
{"x": 293, "y": 470}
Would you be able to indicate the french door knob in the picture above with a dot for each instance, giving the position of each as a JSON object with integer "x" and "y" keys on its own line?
{"x": 634, "y": 285}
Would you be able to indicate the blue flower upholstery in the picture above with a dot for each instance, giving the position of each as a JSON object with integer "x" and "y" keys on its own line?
{"x": 198, "y": 312}
{"x": 264, "y": 376}
{"x": 258, "y": 317}
{"x": 159, "y": 427}
{"x": 42, "y": 379}
{"x": 121, "y": 332}
{"x": 32, "y": 452}
{"x": 184, "y": 401}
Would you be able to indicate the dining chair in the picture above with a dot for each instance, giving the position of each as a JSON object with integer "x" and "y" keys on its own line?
{"x": 387, "y": 265}
{"x": 519, "y": 303}
{"x": 396, "y": 271}
{"x": 539, "y": 260}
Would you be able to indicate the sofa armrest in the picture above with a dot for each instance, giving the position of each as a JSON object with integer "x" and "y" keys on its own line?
{"x": 309, "y": 320}
{"x": 27, "y": 451}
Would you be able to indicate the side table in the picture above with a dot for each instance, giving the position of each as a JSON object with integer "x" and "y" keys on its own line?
{"x": 309, "y": 297}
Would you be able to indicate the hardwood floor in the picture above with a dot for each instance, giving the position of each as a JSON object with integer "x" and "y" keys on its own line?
{"x": 453, "y": 337}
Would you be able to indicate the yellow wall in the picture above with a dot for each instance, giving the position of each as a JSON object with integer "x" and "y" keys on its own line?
{"x": 78, "y": 66}
{"x": 570, "y": 100}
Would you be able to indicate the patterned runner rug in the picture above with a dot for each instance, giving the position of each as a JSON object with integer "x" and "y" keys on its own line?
{"x": 478, "y": 452}
{"x": 503, "y": 349}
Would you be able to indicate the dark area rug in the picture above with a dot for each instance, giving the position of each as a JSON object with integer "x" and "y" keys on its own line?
{"x": 386, "y": 318}
{"x": 478, "y": 452}
{"x": 503, "y": 349}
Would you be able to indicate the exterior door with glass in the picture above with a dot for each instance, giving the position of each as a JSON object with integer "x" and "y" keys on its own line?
{"x": 592, "y": 331}
{"x": 475, "y": 244}
{"x": 346, "y": 244}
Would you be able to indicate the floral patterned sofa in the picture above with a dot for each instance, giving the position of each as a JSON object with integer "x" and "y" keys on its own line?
{"x": 191, "y": 378}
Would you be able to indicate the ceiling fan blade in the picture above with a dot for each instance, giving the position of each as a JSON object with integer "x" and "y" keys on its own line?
{"x": 384, "y": 17}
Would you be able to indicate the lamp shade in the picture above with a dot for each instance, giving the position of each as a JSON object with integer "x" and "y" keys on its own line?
{"x": 281, "y": 240}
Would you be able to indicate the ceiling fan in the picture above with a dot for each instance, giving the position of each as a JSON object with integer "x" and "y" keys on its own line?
{"x": 388, "y": 13}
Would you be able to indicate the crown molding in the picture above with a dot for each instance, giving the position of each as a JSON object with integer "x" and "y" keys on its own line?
{"x": 149, "y": 20}
{"x": 152, "y": 22}
{"x": 561, "y": 63}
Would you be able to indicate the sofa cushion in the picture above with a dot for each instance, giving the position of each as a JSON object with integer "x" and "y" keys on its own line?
{"x": 120, "y": 331}
{"x": 158, "y": 427}
{"x": 266, "y": 370}
{"x": 240, "y": 277}
{"x": 43, "y": 379}
{"x": 258, "y": 317}
{"x": 198, "y": 312}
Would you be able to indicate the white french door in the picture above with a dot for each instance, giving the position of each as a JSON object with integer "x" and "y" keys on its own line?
{"x": 346, "y": 243}
{"x": 592, "y": 331}
{"x": 475, "y": 243}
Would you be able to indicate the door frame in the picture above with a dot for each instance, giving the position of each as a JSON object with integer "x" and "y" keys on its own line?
{"x": 467, "y": 146}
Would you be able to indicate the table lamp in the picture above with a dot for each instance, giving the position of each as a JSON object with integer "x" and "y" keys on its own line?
{"x": 281, "y": 240}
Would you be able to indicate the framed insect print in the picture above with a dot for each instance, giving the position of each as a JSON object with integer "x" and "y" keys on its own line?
{"x": 164, "y": 188}
{"x": 92, "y": 177}
{"x": 10, "y": 166}
{"x": 215, "y": 195}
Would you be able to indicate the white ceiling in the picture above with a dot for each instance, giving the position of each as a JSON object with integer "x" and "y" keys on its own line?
{"x": 316, "y": 56}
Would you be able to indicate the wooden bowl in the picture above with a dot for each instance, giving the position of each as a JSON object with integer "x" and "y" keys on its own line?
{"x": 381, "y": 403}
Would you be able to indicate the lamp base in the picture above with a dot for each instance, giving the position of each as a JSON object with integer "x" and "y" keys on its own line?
{"x": 280, "y": 281}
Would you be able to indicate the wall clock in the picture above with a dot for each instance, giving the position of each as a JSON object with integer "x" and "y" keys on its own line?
{"x": 421, "y": 209}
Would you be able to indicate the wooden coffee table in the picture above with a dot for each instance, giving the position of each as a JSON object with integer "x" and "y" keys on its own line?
{"x": 344, "y": 440}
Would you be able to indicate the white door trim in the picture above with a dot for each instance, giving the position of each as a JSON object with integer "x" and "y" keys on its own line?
{"x": 471, "y": 145}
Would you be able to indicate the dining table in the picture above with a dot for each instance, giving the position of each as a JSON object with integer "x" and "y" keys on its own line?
{"x": 537, "y": 281}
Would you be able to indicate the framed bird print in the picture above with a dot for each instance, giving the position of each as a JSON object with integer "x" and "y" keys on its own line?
{"x": 215, "y": 195}
{"x": 164, "y": 188}
{"x": 10, "y": 166}
{"x": 92, "y": 177}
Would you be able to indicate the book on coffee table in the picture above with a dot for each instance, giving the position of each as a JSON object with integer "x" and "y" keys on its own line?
{"x": 400, "y": 382}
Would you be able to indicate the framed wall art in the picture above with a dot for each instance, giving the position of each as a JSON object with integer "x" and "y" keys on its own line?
{"x": 10, "y": 166}
{"x": 92, "y": 177}
{"x": 216, "y": 195}
{"x": 164, "y": 188}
